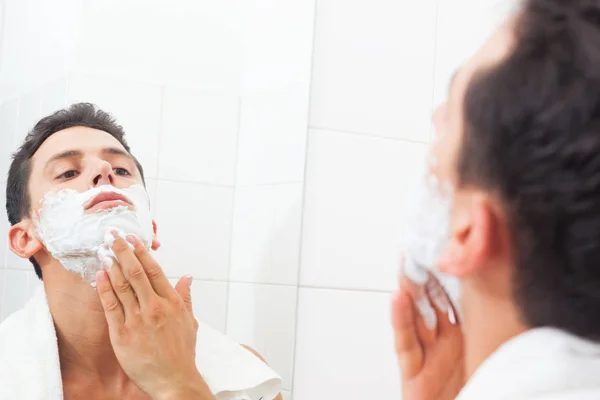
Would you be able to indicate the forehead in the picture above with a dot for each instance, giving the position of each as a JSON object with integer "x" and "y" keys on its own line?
{"x": 86, "y": 140}
{"x": 496, "y": 48}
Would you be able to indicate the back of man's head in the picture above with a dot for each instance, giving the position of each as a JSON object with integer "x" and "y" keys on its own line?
{"x": 532, "y": 137}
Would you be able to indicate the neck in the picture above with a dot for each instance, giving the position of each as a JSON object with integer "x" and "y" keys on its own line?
{"x": 488, "y": 323}
{"x": 82, "y": 331}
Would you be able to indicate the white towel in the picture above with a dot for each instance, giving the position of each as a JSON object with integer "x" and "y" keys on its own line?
{"x": 540, "y": 364}
{"x": 30, "y": 366}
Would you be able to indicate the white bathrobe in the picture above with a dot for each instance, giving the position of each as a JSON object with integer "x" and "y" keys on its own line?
{"x": 541, "y": 364}
{"x": 30, "y": 366}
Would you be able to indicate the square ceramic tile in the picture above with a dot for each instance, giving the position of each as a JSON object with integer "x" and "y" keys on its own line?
{"x": 135, "y": 105}
{"x": 373, "y": 67}
{"x": 179, "y": 41}
{"x": 355, "y": 190}
{"x": 264, "y": 318}
{"x": 194, "y": 227}
{"x": 277, "y": 37}
{"x": 15, "y": 293}
{"x": 9, "y": 113}
{"x": 30, "y": 112}
{"x": 33, "y": 57}
{"x": 345, "y": 346}
{"x": 4, "y": 226}
{"x": 209, "y": 302}
{"x": 54, "y": 96}
{"x": 273, "y": 131}
{"x": 266, "y": 233}
{"x": 199, "y": 136}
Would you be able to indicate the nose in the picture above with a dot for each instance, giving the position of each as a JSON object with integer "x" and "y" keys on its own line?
{"x": 102, "y": 174}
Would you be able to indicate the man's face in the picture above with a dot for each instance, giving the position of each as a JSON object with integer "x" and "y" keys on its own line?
{"x": 80, "y": 158}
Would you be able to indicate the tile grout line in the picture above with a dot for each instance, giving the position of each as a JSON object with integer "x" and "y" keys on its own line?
{"x": 231, "y": 225}
{"x": 368, "y": 135}
{"x": 303, "y": 208}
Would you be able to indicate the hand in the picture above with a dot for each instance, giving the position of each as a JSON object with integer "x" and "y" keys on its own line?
{"x": 151, "y": 325}
{"x": 431, "y": 360}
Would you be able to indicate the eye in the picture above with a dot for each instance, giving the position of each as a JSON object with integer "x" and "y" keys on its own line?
{"x": 68, "y": 175}
{"x": 122, "y": 172}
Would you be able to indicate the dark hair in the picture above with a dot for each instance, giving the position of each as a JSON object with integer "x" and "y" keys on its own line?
{"x": 80, "y": 114}
{"x": 533, "y": 138}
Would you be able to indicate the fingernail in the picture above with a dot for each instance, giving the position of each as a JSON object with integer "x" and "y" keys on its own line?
{"x": 132, "y": 239}
{"x": 438, "y": 295}
{"x": 190, "y": 280}
{"x": 107, "y": 263}
{"x": 101, "y": 275}
{"x": 427, "y": 312}
{"x": 414, "y": 272}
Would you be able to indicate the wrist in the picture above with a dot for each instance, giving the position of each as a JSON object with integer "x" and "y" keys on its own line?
{"x": 192, "y": 389}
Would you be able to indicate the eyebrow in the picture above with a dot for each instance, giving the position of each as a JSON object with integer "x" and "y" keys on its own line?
{"x": 79, "y": 154}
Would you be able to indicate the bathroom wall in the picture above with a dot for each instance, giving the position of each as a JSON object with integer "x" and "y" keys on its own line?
{"x": 279, "y": 138}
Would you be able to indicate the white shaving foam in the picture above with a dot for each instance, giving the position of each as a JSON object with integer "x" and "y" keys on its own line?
{"x": 427, "y": 233}
{"x": 80, "y": 241}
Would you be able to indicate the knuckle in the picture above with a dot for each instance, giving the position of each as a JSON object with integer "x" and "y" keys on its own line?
{"x": 122, "y": 286}
{"x": 120, "y": 245}
{"x": 156, "y": 311}
{"x": 139, "y": 250}
{"x": 111, "y": 305}
{"x": 136, "y": 273}
{"x": 154, "y": 271}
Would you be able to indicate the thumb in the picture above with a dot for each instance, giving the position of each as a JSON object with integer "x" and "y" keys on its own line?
{"x": 183, "y": 288}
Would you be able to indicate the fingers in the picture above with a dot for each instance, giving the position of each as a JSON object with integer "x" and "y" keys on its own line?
{"x": 132, "y": 269}
{"x": 409, "y": 349}
{"x": 121, "y": 288}
{"x": 183, "y": 287}
{"x": 110, "y": 302}
{"x": 426, "y": 317}
{"x": 155, "y": 275}
{"x": 446, "y": 314}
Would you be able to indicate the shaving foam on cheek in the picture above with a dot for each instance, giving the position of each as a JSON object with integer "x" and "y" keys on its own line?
{"x": 426, "y": 236}
{"x": 77, "y": 240}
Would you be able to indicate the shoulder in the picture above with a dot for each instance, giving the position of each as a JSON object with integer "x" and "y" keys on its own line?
{"x": 251, "y": 350}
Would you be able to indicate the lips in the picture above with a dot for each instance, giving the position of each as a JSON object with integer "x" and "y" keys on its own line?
{"x": 107, "y": 200}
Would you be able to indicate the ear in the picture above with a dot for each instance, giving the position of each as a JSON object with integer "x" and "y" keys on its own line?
{"x": 22, "y": 239}
{"x": 473, "y": 238}
{"x": 155, "y": 242}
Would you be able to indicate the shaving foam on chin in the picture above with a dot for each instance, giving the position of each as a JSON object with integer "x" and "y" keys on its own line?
{"x": 78, "y": 240}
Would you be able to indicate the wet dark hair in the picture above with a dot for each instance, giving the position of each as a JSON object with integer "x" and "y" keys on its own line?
{"x": 81, "y": 114}
{"x": 533, "y": 137}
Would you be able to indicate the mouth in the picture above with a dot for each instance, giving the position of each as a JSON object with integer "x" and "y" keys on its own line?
{"x": 107, "y": 200}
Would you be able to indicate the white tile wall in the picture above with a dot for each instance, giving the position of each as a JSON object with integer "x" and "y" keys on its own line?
{"x": 355, "y": 188}
{"x": 266, "y": 234}
{"x": 194, "y": 225}
{"x": 273, "y": 130}
{"x": 373, "y": 67}
{"x": 263, "y": 317}
{"x": 344, "y": 347}
{"x": 199, "y": 135}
